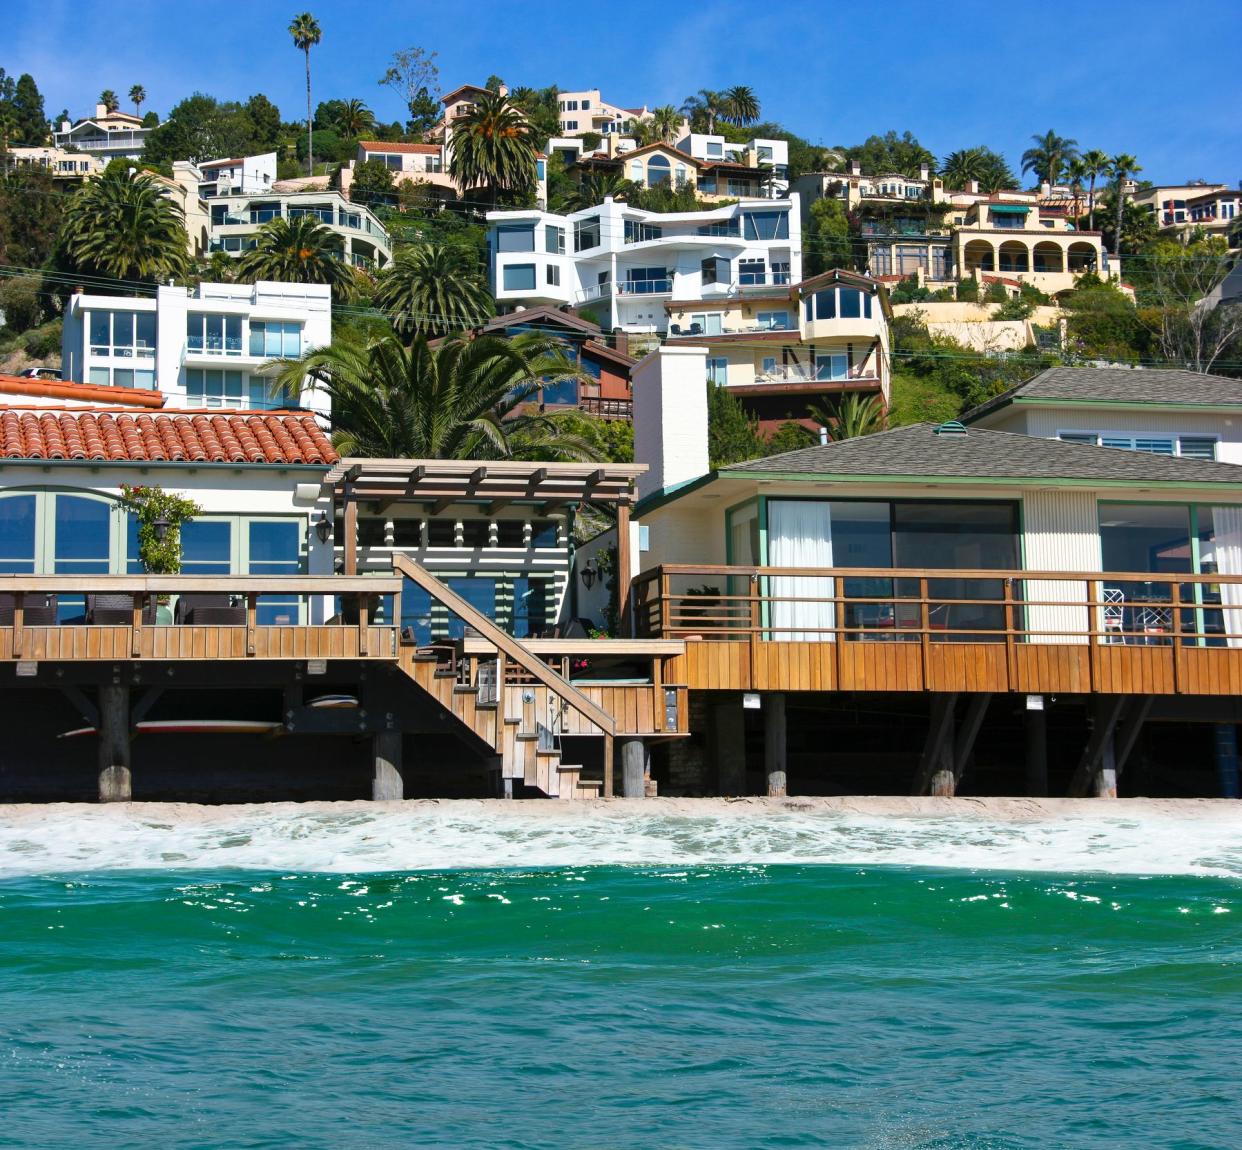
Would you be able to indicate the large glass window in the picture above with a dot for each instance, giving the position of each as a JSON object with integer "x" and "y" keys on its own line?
{"x": 519, "y": 277}
{"x": 213, "y": 387}
{"x": 717, "y": 370}
{"x": 515, "y": 238}
{"x": 751, "y": 272}
{"x": 659, "y": 171}
{"x": 17, "y": 534}
{"x": 215, "y": 334}
{"x": 530, "y": 607}
{"x": 275, "y": 547}
{"x": 637, "y": 232}
{"x": 586, "y": 234}
{"x": 562, "y": 393}
{"x": 832, "y": 366}
{"x": 275, "y": 339}
{"x": 82, "y": 546}
{"x": 126, "y": 334}
{"x": 765, "y": 225}
{"x": 479, "y": 592}
{"x": 715, "y": 270}
{"x": 554, "y": 240}
{"x": 206, "y": 547}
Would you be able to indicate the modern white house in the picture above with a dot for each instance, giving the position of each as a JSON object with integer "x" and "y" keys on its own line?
{"x": 205, "y": 347}
{"x": 625, "y": 264}
{"x": 238, "y": 217}
{"x": 239, "y": 176}
{"x": 108, "y": 135}
{"x": 756, "y": 153}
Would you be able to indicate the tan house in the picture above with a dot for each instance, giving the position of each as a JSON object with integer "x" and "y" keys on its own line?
{"x": 714, "y": 181}
{"x": 781, "y": 349}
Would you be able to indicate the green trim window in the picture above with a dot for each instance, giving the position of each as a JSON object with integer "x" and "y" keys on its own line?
{"x": 1185, "y": 446}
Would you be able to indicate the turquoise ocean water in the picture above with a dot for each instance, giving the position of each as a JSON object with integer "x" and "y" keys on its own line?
{"x": 860, "y": 1003}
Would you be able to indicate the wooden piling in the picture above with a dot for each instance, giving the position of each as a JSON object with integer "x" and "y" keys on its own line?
{"x": 115, "y": 781}
{"x": 633, "y": 768}
{"x": 774, "y": 744}
{"x": 387, "y": 783}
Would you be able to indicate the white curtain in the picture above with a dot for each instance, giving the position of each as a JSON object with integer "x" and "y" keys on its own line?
{"x": 800, "y": 535}
{"x": 1227, "y": 527}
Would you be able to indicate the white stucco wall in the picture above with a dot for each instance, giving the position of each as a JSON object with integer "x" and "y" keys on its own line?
{"x": 670, "y": 417}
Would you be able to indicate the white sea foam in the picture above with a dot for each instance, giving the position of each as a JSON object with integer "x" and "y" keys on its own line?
{"x": 1014, "y": 835}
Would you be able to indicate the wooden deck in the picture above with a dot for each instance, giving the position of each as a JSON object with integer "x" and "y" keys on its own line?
{"x": 1021, "y": 632}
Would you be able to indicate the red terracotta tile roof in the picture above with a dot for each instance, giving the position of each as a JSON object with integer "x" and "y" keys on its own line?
{"x": 182, "y": 437}
{"x": 85, "y": 392}
{"x": 395, "y": 148}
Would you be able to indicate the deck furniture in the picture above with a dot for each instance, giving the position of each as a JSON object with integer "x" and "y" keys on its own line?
{"x": 117, "y": 609}
{"x": 39, "y": 611}
{"x": 209, "y": 609}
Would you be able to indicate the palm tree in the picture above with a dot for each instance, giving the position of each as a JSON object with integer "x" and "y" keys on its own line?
{"x": 355, "y": 118}
{"x": 1097, "y": 165}
{"x": 705, "y": 108}
{"x": 1075, "y": 172}
{"x": 850, "y": 417}
{"x": 1049, "y": 156}
{"x": 493, "y": 148}
{"x": 298, "y": 251}
{"x": 595, "y": 187}
{"x": 962, "y": 166}
{"x": 306, "y": 34}
{"x": 665, "y": 122}
{"x": 122, "y": 226}
{"x": 109, "y": 100}
{"x": 741, "y": 105}
{"x": 137, "y": 97}
{"x": 462, "y": 399}
{"x": 1120, "y": 168}
{"x": 433, "y": 289}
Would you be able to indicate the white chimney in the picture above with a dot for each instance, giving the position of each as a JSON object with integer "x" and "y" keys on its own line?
{"x": 855, "y": 168}
{"x": 670, "y": 417}
{"x": 972, "y": 186}
{"x": 924, "y": 172}
{"x": 101, "y": 110}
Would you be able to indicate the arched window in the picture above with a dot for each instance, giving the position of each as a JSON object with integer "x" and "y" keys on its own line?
{"x": 659, "y": 171}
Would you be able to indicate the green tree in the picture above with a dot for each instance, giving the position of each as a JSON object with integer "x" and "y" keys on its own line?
{"x": 541, "y": 107}
{"x": 31, "y": 209}
{"x": 202, "y": 128}
{"x": 703, "y": 110}
{"x": 306, "y": 34}
{"x": 1102, "y": 323}
{"x": 414, "y": 75}
{"x": 264, "y": 119}
{"x": 1049, "y": 156}
{"x": 28, "y": 114}
{"x": 827, "y": 242}
{"x": 301, "y": 251}
{"x": 1076, "y": 171}
{"x": 891, "y": 153}
{"x": 1097, "y": 166}
{"x": 108, "y": 98}
{"x": 595, "y": 187}
{"x": 960, "y": 167}
{"x": 433, "y": 289}
{"x": 611, "y": 440}
{"x": 1121, "y": 168}
{"x": 8, "y": 127}
{"x": 137, "y": 97}
{"x": 741, "y": 105}
{"x": 354, "y": 119}
{"x": 462, "y": 399}
{"x": 492, "y": 148}
{"x": 372, "y": 183}
{"x": 124, "y": 228}
{"x": 665, "y": 123}
{"x": 732, "y": 435}
{"x": 790, "y": 436}
{"x": 850, "y": 416}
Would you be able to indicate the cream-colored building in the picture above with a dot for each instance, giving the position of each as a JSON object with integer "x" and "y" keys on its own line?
{"x": 108, "y": 135}
{"x": 780, "y": 349}
{"x": 587, "y": 111}
{"x": 57, "y": 162}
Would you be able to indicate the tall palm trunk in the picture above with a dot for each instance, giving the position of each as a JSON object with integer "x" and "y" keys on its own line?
{"x": 1121, "y": 205}
{"x": 310, "y": 135}
{"x": 1091, "y": 205}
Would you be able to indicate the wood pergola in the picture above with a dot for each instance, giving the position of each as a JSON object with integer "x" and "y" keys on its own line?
{"x": 438, "y": 484}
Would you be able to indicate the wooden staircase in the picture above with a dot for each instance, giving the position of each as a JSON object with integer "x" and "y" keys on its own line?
{"x": 512, "y": 701}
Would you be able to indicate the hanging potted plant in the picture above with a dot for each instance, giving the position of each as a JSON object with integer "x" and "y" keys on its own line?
{"x": 160, "y": 515}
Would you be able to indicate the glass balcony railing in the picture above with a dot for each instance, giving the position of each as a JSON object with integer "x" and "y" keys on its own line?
{"x": 659, "y": 286}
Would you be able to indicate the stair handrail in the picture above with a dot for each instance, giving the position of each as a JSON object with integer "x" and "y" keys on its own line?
{"x": 505, "y": 642}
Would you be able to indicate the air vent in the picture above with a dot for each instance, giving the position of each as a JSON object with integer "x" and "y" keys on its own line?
{"x": 951, "y": 427}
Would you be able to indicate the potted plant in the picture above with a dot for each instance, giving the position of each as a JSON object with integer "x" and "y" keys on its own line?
{"x": 160, "y": 515}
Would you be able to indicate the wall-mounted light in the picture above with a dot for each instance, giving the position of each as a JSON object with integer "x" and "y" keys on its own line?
{"x": 323, "y": 528}
{"x": 160, "y": 526}
{"x": 588, "y": 574}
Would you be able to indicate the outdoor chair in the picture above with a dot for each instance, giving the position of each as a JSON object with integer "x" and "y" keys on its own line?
{"x": 117, "y": 609}
{"x": 1113, "y": 615}
{"x": 209, "y": 609}
{"x": 40, "y": 609}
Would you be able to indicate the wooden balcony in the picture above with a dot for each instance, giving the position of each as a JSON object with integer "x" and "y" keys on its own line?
{"x": 913, "y": 630}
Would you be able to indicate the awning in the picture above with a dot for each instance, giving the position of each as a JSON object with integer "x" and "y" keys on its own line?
{"x": 1009, "y": 209}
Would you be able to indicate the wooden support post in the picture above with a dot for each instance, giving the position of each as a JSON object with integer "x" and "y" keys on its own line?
{"x": 935, "y": 774}
{"x": 728, "y": 747}
{"x": 633, "y": 768}
{"x": 608, "y": 741}
{"x": 1037, "y": 753}
{"x": 387, "y": 783}
{"x": 1097, "y": 769}
{"x": 774, "y": 745}
{"x": 624, "y": 620}
{"x": 252, "y": 619}
{"x": 350, "y": 542}
{"x": 115, "y": 783}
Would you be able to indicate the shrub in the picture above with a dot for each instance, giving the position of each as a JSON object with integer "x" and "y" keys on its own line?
{"x": 968, "y": 290}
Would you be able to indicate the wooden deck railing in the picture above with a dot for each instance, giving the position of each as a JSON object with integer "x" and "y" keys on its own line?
{"x": 1097, "y": 631}
{"x": 33, "y": 626}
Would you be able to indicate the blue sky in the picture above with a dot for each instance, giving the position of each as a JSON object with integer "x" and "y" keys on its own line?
{"x": 1159, "y": 79}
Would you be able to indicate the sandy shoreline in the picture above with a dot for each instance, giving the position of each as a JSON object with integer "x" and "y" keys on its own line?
{"x": 1005, "y": 810}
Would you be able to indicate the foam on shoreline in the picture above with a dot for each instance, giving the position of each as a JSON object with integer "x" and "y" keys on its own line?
{"x": 1134, "y": 836}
